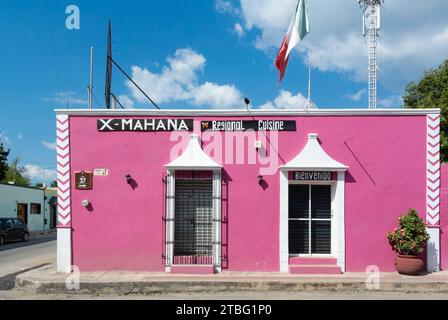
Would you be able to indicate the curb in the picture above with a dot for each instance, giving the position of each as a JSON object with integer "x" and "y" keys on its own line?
{"x": 211, "y": 286}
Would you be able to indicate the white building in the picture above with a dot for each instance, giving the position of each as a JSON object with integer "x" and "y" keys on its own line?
{"x": 35, "y": 206}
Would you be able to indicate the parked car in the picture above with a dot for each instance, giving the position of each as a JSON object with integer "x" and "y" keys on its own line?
{"x": 13, "y": 229}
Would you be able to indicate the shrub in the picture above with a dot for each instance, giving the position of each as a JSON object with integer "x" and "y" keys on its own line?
{"x": 411, "y": 236}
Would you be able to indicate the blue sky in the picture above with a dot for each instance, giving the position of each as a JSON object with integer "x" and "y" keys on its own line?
{"x": 197, "y": 54}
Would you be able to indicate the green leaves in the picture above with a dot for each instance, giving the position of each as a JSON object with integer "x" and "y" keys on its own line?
{"x": 3, "y": 162}
{"x": 411, "y": 236}
{"x": 432, "y": 92}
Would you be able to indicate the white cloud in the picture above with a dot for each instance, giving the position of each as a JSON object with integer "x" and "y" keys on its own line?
{"x": 394, "y": 101}
{"x": 414, "y": 37}
{"x": 35, "y": 172}
{"x": 286, "y": 100}
{"x": 49, "y": 145}
{"x": 20, "y": 136}
{"x": 356, "y": 96}
{"x": 225, "y": 96}
{"x": 5, "y": 139}
{"x": 223, "y": 6}
{"x": 239, "y": 30}
{"x": 67, "y": 97}
{"x": 178, "y": 81}
{"x": 127, "y": 102}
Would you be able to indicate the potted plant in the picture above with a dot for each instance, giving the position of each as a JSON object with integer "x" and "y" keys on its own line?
{"x": 409, "y": 241}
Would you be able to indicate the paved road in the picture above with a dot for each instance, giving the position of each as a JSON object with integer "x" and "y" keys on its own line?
{"x": 18, "y": 257}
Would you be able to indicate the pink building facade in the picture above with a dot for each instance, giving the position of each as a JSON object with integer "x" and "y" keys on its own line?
{"x": 201, "y": 191}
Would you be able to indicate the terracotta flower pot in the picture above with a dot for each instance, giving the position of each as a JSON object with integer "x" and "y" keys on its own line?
{"x": 410, "y": 265}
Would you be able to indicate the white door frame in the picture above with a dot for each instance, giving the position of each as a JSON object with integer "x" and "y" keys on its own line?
{"x": 337, "y": 223}
{"x": 217, "y": 225}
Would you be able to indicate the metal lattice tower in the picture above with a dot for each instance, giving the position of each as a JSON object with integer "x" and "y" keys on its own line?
{"x": 371, "y": 27}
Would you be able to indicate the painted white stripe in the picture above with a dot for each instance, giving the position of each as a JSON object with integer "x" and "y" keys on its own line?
{"x": 63, "y": 221}
{"x": 64, "y": 203}
{"x": 62, "y": 135}
{"x": 63, "y": 168}
{"x": 63, "y": 152}
{"x": 433, "y": 170}
{"x": 433, "y": 221}
{"x": 63, "y": 195}
{"x": 63, "y": 161}
{"x": 63, "y": 212}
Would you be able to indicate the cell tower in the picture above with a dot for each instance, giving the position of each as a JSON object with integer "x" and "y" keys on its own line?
{"x": 371, "y": 25}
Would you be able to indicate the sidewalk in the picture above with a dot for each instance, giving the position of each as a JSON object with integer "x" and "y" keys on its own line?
{"x": 47, "y": 280}
{"x": 38, "y": 234}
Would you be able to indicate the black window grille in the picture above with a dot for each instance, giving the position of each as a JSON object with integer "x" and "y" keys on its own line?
{"x": 309, "y": 219}
{"x": 193, "y": 218}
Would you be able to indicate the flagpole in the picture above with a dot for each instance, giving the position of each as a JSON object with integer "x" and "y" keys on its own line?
{"x": 309, "y": 72}
{"x": 309, "y": 64}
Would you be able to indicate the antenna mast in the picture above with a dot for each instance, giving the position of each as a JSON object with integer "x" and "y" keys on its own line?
{"x": 90, "y": 87}
{"x": 371, "y": 26}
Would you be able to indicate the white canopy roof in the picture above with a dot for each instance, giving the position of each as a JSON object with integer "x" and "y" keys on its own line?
{"x": 314, "y": 158}
{"x": 193, "y": 158}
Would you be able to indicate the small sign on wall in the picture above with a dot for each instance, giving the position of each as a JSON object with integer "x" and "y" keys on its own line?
{"x": 83, "y": 180}
{"x": 312, "y": 175}
{"x": 101, "y": 172}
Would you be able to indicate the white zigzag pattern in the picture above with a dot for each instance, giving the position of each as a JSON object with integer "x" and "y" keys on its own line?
{"x": 433, "y": 164}
{"x": 432, "y": 194}
{"x": 63, "y": 212}
{"x": 64, "y": 203}
{"x": 63, "y": 221}
{"x": 63, "y": 158}
{"x": 432, "y": 221}
{"x": 63, "y": 143}
{"x": 63, "y": 195}
{"x": 63, "y": 152}
{"x": 63, "y": 161}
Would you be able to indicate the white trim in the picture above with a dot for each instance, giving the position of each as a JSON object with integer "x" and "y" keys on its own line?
{"x": 433, "y": 170}
{"x": 313, "y": 157}
{"x": 193, "y": 158}
{"x": 339, "y": 210}
{"x": 433, "y": 250}
{"x": 169, "y": 246}
{"x": 239, "y": 112}
{"x": 217, "y": 220}
{"x": 64, "y": 250}
{"x": 284, "y": 229}
{"x": 334, "y": 233}
{"x": 337, "y": 221}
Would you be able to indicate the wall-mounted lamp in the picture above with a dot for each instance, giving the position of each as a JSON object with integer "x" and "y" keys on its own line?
{"x": 85, "y": 203}
{"x": 128, "y": 179}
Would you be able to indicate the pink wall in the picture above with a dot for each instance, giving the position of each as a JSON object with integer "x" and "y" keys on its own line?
{"x": 124, "y": 230}
{"x": 444, "y": 217}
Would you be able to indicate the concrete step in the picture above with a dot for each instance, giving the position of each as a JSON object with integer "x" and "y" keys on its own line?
{"x": 315, "y": 269}
{"x": 312, "y": 261}
{"x": 192, "y": 269}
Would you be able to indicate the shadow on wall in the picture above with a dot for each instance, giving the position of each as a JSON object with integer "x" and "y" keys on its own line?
{"x": 225, "y": 180}
{"x": 358, "y": 160}
{"x": 432, "y": 256}
{"x": 349, "y": 178}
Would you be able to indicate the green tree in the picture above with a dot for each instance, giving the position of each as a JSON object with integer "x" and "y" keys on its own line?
{"x": 54, "y": 184}
{"x": 3, "y": 161}
{"x": 432, "y": 92}
{"x": 15, "y": 174}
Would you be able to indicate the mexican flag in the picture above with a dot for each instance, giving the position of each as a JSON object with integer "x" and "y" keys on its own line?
{"x": 297, "y": 30}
